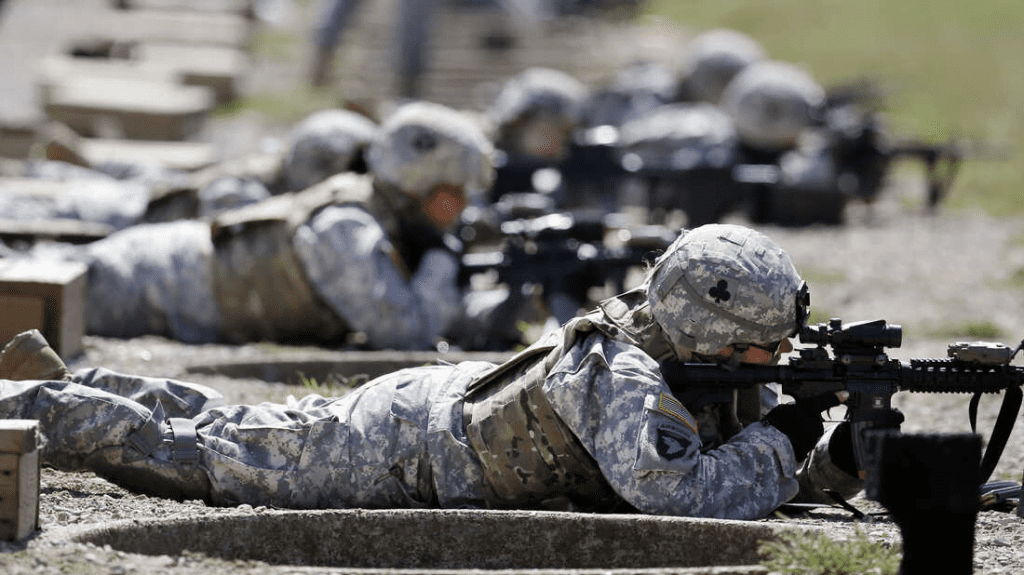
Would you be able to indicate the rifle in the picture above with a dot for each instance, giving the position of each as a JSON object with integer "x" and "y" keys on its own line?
{"x": 565, "y": 255}
{"x": 859, "y": 371}
{"x": 942, "y": 160}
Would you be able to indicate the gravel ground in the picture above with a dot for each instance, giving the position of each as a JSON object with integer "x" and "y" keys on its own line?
{"x": 934, "y": 275}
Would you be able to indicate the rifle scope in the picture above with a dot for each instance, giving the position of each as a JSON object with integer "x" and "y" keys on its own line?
{"x": 857, "y": 335}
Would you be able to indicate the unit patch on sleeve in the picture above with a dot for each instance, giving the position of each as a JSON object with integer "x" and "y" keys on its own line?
{"x": 671, "y": 444}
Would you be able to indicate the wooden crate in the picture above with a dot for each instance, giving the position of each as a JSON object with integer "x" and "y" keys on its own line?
{"x": 46, "y": 296}
{"x": 19, "y": 478}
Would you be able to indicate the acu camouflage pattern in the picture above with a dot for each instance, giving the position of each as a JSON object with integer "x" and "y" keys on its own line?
{"x": 529, "y": 457}
{"x": 394, "y": 442}
{"x": 260, "y": 282}
{"x": 723, "y": 284}
{"x": 422, "y": 145}
{"x": 152, "y": 279}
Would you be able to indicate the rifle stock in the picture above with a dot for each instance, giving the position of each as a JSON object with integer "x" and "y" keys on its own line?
{"x": 859, "y": 373}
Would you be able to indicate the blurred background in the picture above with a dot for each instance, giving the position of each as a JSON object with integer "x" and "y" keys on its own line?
{"x": 945, "y": 69}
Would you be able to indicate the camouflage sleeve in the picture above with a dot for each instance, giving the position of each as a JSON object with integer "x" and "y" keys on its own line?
{"x": 351, "y": 263}
{"x": 646, "y": 443}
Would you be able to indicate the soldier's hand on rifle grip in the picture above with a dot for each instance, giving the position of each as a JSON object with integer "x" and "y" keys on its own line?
{"x": 840, "y": 446}
{"x": 801, "y": 424}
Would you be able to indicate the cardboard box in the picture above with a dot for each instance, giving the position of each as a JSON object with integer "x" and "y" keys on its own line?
{"x": 46, "y": 296}
{"x": 19, "y": 478}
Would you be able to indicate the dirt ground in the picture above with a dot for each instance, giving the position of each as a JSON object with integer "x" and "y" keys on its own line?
{"x": 936, "y": 275}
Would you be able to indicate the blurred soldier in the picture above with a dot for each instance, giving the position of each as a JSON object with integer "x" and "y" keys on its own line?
{"x": 535, "y": 116}
{"x": 582, "y": 419}
{"x": 772, "y": 103}
{"x": 684, "y": 154}
{"x": 410, "y": 35}
{"x": 355, "y": 256}
{"x": 325, "y": 143}
{"x": 713, "y": 58}
{"x": 635, "y": 89}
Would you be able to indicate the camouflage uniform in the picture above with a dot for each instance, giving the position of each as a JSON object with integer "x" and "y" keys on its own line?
{"x": 351, "y": 254}
{"x": 581, "y": 420}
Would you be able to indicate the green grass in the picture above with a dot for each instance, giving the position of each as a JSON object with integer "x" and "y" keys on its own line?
{"x": 975, "y": 330}
{"x": 953, "y": 69}
{"x": 815, "y": 553}
{"x": 334, "y": 386}
{"x": 284, "y": 107}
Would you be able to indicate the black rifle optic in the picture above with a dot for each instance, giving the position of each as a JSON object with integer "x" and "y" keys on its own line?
{"x": 859, "y": 373}
{"x": 565, "y": 256}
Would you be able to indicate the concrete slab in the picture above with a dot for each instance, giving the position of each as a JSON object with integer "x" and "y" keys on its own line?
{"x": 187, "y": 156}
{"x": 325, "y": 365}
{"x": 128, "y": 108}
{"x": 58, "y": 68}
{"x": 416, "y": 540}
{"x": 240, "y": 7}
{"x": 184, "y": 26}
{"x": 220, "y": 68}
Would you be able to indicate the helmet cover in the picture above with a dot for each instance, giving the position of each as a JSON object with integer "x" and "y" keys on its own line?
{"x": 423, "y": 144}
{"x": 772, "y": 103}
{"x": 723, "y": 284}
{"x": 714, "y": 58}
{"x": 327, "y": 142}
{"x": 539, "y": 93}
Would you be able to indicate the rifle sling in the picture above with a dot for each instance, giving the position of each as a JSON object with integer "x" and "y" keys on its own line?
{"x": 1000, "y": 432}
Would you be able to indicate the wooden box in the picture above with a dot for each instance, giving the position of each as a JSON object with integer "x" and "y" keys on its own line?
{"x": 19, "y": 478}
{"x": 47, "y": 296}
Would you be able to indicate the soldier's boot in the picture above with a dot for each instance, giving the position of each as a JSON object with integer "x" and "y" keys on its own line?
{"x": 86, "y": 429}
{"x": 29, "y": 357}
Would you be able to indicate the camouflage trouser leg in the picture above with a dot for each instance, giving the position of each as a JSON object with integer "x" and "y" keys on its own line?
{"x": 179, "y": 398}
{"x": 87, "y": 429}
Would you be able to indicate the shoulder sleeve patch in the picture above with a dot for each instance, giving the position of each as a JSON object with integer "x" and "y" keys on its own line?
{"x": 674, "y": 408}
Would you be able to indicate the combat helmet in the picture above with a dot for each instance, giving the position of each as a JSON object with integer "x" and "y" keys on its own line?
{"x": 724, "y": 284}
{"x": 532, "y": 106}
{"x": 713, "y": 59}
{"x": 772, "y": 103}
{"x": 325, "y": 143}
{"x": 423, "y": 145}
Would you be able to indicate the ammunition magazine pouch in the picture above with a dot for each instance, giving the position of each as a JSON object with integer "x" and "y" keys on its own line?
{"x": 260, "y": 284}
{"x": 531, "y": 459}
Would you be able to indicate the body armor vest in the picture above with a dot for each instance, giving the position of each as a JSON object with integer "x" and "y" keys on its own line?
{"x": 529, "y": 456}
{"x": 260, "y": 284}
